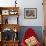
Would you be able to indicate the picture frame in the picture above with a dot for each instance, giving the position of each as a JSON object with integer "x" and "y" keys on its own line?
{"x": 13, "y": 12}
{"x": 30, "y": 13}
{"x": 5, "y": 12}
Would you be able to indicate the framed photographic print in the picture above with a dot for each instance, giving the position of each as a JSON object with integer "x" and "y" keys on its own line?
{"x": 30, "y": 13}
{"x": 5, "y": 12}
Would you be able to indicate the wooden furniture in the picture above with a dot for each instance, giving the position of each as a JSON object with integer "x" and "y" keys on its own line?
{"x": 0, "y": 43}
{"x": 10, "y": 43}
{"x": 5, "y": 13}
{"x": 44, "y": 8}
{"x": 8, "y": 11}
{"x": 44, "y": 37}
{"x": 11, "y": 26}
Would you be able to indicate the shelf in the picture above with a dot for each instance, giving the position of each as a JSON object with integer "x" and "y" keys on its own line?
{"x": 9, "y": 19}
{"x": 9, "y": 11}
{"x": 11, "y": 41}
{"x": 10, "y": 26}
{"x": 4, "y": 8}
{"x": 5, "y": 12}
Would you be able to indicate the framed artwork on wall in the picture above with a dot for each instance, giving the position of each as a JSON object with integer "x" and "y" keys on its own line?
{"x": 30, "y": 13}
{"x": 5, "y": 12}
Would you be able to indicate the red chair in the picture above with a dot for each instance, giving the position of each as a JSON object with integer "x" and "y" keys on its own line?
{"x": 29, "y": 33}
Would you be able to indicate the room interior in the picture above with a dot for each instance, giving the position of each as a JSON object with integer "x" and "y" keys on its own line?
{"x": 15, "y": 20}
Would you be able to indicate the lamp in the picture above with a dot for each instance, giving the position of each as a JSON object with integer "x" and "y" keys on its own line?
{"x": 15, "y": 3}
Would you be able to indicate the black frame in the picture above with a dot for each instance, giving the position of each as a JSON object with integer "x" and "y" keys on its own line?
{"x": 35, "y": 9}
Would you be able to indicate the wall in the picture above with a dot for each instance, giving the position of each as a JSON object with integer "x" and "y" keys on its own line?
{"x": 37, "y": 29}
{"x": 28, "y": 22}
{"x": 32, "y": 4}
{"x": 27, "y": 4}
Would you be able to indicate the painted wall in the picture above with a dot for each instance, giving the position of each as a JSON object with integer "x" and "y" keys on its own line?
{"x": 27, "y": 22}
{"x": 33, "y": 4}
{"x": 37, "y": 29}
{"x": 26, "y": 4}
